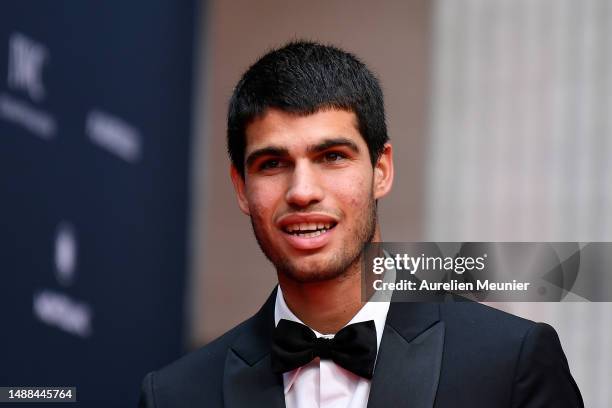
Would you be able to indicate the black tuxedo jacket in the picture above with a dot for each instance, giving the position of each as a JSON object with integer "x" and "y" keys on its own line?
{"x": 455, "y": 354}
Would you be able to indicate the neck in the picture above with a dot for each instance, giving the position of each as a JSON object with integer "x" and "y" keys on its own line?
{"x": 326, "y": 306}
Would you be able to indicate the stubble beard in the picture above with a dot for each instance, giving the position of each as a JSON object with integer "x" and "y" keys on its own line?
{"x": 342, "y": 263}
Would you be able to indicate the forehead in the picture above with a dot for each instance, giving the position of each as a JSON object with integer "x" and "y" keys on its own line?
{"x": 296, "y": 132}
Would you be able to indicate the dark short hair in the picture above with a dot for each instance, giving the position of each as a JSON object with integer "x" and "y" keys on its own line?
{"x": 304, "y": 77}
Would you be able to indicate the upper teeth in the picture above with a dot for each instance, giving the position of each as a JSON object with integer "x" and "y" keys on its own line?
{"x": 308, "y": 226}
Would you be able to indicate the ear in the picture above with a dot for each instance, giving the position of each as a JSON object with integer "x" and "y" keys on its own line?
{"x": 239, "y": 188}
{"x": 383, "y": 172}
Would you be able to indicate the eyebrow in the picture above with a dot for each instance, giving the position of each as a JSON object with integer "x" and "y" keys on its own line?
{"x": 278, "y": 151}
{"x": 266, "y": 151}
{"x": 336, "y": 142}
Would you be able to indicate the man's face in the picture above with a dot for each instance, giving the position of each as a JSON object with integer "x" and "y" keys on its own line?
{"x": 310, "y": 190}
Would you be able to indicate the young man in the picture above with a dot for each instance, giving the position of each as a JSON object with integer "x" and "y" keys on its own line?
{"x": 310, "y": 158}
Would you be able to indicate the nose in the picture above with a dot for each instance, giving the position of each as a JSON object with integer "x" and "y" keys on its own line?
{"x": 304, "y": 188}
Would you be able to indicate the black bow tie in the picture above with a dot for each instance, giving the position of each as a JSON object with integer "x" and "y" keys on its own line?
{"x": 353, "y": 347}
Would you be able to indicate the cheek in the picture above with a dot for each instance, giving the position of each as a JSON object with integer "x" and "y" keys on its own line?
{"x": 263, "y": 199}
{"x": 353, "y": 192}
{"x": 356, "y": 209}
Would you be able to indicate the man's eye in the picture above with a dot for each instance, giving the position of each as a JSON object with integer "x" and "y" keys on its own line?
{"x": 334, "y": 156}
{"x": 269, "y": 164}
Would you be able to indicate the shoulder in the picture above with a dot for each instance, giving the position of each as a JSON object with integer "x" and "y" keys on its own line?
{"x": 197, "y": 376}
{"x": 481, "y": 332}
{"x": 473, "y": 316}
{"x": 490, "y": 328}
{"x": 196, "y": 379}
{"x": 506, "y": 355}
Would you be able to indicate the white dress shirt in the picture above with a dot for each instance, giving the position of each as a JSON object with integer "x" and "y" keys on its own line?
{"x": 323, "y": 383}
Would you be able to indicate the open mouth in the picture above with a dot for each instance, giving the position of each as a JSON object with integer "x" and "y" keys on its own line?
{"x": 309, "y": 230}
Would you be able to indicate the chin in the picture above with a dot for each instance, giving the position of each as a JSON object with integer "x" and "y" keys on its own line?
{"x": 313, "y": 271}
{"x": 311, "y": 277}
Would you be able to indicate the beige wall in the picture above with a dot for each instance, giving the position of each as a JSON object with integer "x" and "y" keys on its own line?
{"x": 521, "y": 148}
{"x": 230, "y": 277}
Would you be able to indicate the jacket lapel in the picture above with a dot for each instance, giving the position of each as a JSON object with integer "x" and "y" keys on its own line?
{"x": 410, "y": 357}
{"x": 248, "y": 379}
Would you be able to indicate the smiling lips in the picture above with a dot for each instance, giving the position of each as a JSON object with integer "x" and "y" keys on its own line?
{"x": 306, "y": 232}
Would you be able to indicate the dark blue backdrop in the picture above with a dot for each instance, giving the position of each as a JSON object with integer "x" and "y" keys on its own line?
{"x": 94, "y": 148}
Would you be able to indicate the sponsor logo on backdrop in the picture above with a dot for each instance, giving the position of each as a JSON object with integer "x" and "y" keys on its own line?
{"x": 26, "y": 61}
{"x": 58, "y": 309}
{"x": 114, "y": 135}
{"x": 65, "y": 254}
